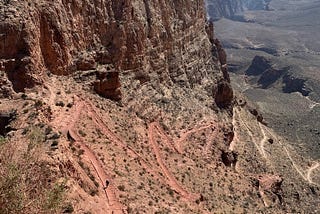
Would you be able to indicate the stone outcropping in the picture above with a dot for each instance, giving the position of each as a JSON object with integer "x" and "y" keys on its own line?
{"x": 270, "y": 189}
{"x": 108, "y": 85}
{"x": 270, "y": 76}
{"x": 224, "y": 95}
{"x": 267, "y": 73}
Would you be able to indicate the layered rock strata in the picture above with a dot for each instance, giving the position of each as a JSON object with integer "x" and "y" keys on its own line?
{"x": 167, "y": 38}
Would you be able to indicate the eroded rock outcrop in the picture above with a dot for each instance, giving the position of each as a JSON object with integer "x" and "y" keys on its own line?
{"x": 223, "y": 95}
{"x": 108, "y": 85}
{"x": 222, "y": 56}
{"x": 270, "y": 189}
{"x": 270, "y": 76}
{"x": 265, "y": 71}
{"x": 229, "y": 158}
{"x": 5, "y": 85}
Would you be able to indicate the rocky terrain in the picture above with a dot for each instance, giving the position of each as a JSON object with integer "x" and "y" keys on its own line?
{"x": 126, "y": 107}
{"x": 278, "y": 50}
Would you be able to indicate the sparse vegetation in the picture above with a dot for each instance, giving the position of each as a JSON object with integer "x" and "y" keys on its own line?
{"x": 93, "y": 192}
{"x": 54, "y": 143}
{"x": 55, "y": 197}
{"x": 38, "y": 104}
{"x": 6, "y": 2}
{"x": 24, "y": 96}
{"x": 68, "y": 208}
{"x": 2, "y": 140}
{"x": 26, "y": 185}
{"x": 36, "y": 136}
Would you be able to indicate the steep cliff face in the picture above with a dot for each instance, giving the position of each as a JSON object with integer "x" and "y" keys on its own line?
{"x": 163, "y": 37}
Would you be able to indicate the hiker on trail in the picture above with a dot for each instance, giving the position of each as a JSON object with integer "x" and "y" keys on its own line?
{"x": 107, "y": 184}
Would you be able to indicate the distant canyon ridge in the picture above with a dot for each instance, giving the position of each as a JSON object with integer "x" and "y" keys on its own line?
{"x": 231, "y": 8}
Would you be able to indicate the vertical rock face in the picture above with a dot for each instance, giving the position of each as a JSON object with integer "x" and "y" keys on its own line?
{"x": 165, "y": 37}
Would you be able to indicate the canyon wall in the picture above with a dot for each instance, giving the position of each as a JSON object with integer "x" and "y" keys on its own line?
{"x": 163, "y": 37}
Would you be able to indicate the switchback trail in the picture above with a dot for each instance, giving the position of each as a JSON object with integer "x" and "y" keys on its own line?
{"x": 267, "y": 133}
{"x": 235, "y": 137}
{"x": 310, "y": 170}
{"x": 153, "y": 128}
{"x": 185, "y": 134}
{"x": 251, "y": 135}
{"x": 67, "y": 125}
{"x": 114, "y": 206}
{"x": 172, "y": 180}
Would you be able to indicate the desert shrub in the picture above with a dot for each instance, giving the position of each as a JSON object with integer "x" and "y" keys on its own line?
{"x": 82, "y": 133}
{"x": 26, "y": 183}
{"x": 121, "y": 188}
{"x": 38, "y": 104}
{"x": 3, "y": 140}
{"x": 68, "y": 208}
{"x": 11, "y": 200}
{"x": 54, "y": 197}
{"x": 36, "y": 136}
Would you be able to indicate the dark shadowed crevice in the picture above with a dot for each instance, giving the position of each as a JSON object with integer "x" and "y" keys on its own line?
{"x": 5, "y": 119}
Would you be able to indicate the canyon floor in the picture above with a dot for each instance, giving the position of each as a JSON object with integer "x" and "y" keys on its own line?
{"x": 286, "y": 83}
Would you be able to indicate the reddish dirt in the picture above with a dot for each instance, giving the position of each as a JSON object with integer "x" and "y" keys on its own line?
{"x": 112, "y": 201}
{"x": 185, "y": 134}
{"x": 267, "y": 183}
{"x": 67, "y": 124}
{"x": 153, "y": 129}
